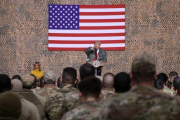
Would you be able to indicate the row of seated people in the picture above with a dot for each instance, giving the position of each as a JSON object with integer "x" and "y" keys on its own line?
{"x": 142, "y": 94}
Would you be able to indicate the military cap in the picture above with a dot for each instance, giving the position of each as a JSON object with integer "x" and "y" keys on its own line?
{"x": 28, "y": 79}
{"x": 145, "y": 62}
{"x": 49, "y": 77}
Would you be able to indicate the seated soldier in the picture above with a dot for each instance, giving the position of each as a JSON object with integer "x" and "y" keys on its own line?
{"x": 71, "y": 98}
{"x": 178, "y": 91}
{"x": 143, "y": 101}
{"x": 28, "y": 94}
{"x": 10, "y": 106}
{"x": 122, "y": 83}
{"x": 89, "y": 94}
{"x": 50, "y": 88}
{"x": 176, "y": 82}
{"x": 172, "y": 75}
{"x": 159, "y": 85}
{"x": 29, "y": 111}
{"x": 54, "y": 104}
{"x": 164, "y": 77}
{"x": 108, "y": 84}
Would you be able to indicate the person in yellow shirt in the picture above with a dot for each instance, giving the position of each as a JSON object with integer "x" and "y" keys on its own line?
{"x": 37, "y": 72}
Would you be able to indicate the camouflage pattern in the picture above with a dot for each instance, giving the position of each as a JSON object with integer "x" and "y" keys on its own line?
{"x": 37, "y": 100}
{"x": 143, "y": 60}
{"x": 90, "y": 55}
{"x": 54, "y": 104}
{"x": 142, "y": 103}
{"x": 169, "y": 91}
{"x": 49, "y": 75}
{"x": 47, "y": 92}
{"x": 86, "y": 111}
{"x": 71, "y": 100}
{"x": 28, "y": 79}
{"x": 109, "y": 93}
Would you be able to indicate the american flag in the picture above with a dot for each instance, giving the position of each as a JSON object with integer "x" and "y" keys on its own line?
{"x": 76, "y": 27}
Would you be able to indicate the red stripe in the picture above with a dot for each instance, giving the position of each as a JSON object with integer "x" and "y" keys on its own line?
{"x": 100, "y": 20}
{"x": 81, "y": 49}
{"x": 102, "y": 6}
{"x": 100, "y": 27}
{"x": 102, "y": 13}
{"x": 86, "y": 35}
{"x": 84, "y": 42}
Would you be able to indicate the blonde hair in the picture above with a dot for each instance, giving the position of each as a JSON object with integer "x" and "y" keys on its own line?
{"x": 97, "y": 42}
{"x": 38, "y": 64}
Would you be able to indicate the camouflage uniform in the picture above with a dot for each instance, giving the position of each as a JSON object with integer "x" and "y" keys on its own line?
{"x": 142, "y": 103}
{"x": 109, "y": 93}
{"x": 71, "y": 100}
{"x": 86, "y": 111}
{"x": 47, "y": 92}
{"x": 54, "y": 104}
{"x": 169, "y": 91}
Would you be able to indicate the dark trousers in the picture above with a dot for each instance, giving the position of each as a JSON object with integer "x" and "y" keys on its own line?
{"x": 99, "y": 70}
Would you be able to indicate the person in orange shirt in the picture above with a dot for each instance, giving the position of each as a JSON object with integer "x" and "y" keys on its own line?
{"x": 38, "y": 73}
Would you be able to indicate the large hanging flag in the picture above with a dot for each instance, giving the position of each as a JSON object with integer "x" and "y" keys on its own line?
{"x": 76, "y": 27}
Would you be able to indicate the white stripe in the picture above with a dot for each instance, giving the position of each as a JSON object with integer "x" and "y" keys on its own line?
{"x": 103, "y": 24}
{"x": 102, "y": 10}
{"x": 88, "y": 31}
{"x": 87, "y": 38}
{"x": 85, "y": 45}
{"x": 102, "y": 17}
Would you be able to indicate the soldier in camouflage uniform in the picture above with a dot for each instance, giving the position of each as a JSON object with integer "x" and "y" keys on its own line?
{"x": 122, "y": 83}
{"x": 108, "y": 84}
{"x": 54, "y": 104}
{"x": 164, "y": 77}
{"x": 50, "y": 88}
{"x": 143, "y": 101}
{"x": 28, "y": 94}
{"x": 71, "y": 98}
{"x": 89, "y": 94}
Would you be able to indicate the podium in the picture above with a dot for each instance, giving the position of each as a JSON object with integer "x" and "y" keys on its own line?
{"x": 97, "y": 64}
{"x": 100, "y": 64}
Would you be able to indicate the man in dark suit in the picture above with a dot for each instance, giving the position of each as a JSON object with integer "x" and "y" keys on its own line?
{"x": 96, "y": 53}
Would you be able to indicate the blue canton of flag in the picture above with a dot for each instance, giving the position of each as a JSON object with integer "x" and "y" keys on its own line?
{"x": 63, "y": 16}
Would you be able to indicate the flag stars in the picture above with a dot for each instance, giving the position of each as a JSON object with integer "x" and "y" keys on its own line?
{"x": 64, "y": 17}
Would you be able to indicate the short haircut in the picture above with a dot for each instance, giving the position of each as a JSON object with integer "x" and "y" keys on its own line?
{"x": 17, "y": 77}
{"x": 87, "y": 70}
{"x": 143, "y": 68}
{"x": 178, "y": 89}
{"x": 108, "y": 80}
{"x": 122, "y": 82}
{"x": 159, "y": 84}
{"x": 5, "y": 83}
{"x": 172, "y": 75}
{"x": 90, "y": 87}
{"x": 176, "y": 82}
{"x": 163, "y": 76}
{"x": 97, "y": 42}
{"x": 69, "y": 75}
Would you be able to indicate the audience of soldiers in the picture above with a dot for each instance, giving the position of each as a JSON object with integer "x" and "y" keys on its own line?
{"x": 140, "y": 94}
